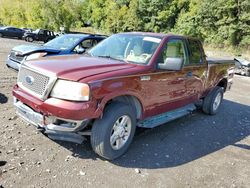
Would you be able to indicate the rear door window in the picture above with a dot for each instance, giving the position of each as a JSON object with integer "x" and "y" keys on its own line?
{"x": 194, "y": 52}
{"x": 41, "y": 32}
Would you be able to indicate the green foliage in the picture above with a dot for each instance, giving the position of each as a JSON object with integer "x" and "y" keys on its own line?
{"x": 221, "y": 22}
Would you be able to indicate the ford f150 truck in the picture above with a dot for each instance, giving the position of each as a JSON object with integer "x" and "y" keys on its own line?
{"x": 128, "y": 80}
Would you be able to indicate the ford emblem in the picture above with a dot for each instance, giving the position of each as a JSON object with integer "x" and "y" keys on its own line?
{"x": 29, "y": 80}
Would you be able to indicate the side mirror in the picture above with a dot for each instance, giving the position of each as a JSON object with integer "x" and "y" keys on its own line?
{"x": 171, "y": 63}
{"x": 80, "y": 50}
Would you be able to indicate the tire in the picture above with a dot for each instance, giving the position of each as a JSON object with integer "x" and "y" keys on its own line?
{"x": 29, "y": 39}
{"x": 213, "y": 101}
{"x": 104, "y": 129}
{"x": 1, "y": 35}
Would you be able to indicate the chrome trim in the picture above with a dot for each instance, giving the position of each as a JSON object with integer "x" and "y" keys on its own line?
{"x": 52, "y": 81}
{"x": 23, "y": 109}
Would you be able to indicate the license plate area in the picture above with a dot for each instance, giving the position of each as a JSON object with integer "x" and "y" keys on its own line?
{"x": 29, "y": 114}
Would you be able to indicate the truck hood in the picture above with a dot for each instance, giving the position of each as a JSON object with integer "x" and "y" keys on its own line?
{"x": 24, "y": 50}
{"x": 76, "y": 67}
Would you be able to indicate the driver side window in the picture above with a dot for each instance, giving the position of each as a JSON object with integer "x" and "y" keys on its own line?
{"x": 173, "y": 49}
{"x": 87, "y": 43}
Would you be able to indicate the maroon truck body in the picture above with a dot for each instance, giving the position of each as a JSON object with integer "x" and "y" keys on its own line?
{"x": 150, "y": 90}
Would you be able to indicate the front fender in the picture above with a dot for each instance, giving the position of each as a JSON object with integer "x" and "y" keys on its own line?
{"x": 108, "y": 90}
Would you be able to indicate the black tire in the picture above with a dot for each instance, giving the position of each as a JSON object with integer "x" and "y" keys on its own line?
{"x": 1, "y": 35}
{"x": 102, "y": 130}
{"x": 29, "y": 39}
{"x": 209, "y": 101}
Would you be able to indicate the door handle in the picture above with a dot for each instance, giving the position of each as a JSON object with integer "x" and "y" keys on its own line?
{"x": 188, "y": 75}
{"x": 182, "y": 78}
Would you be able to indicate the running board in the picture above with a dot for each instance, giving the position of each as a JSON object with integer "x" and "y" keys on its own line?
{"x": 166, "y": 117}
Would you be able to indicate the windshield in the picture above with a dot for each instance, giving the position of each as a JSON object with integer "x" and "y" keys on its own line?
{"x": 127, "y": 47}
{"x": 36, "y": 31}
{"x": 64, "y": 42}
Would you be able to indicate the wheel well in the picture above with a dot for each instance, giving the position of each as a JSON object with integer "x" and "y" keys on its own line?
{"x": 223, "y": 83}
{"x": 132, "y": 101}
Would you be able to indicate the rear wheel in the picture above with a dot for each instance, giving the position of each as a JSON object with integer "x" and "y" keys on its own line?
{"x": 29, "y": 39}
{"x": 1, "y": 35}
{"x": 112, "y": 135}
{"x": 213, "y": 101}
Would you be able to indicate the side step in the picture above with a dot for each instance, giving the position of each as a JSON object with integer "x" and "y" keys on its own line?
{"x": 166, "y": 117}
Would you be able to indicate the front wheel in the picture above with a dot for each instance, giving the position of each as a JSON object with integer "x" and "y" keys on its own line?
{"x": 213, "y": 101}
{"x": 112, "y": 135}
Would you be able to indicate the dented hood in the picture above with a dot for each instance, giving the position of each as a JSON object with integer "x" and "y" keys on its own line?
{"x": 24, "y": 50}
{"x": 77, "y": 67}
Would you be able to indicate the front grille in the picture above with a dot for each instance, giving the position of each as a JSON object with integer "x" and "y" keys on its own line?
{"x": 33, "y": 81}
{"x": 15, "y": 57}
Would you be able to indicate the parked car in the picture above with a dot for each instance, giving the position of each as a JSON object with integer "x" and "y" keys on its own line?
{"x": 242, "y": 66}
{"x": 126, "y": 81}
{"x": 65, "y": 44}
{"x": 39, "y": 35}
{"x": 11, "y": 32}
{"x": 27, "y": 29}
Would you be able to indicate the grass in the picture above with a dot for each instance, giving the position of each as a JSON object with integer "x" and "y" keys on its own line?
{"x": 226, "y": 51}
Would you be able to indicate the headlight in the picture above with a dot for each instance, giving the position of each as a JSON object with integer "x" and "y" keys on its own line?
{"x": 35, "y": 56}
{"x": 69, "y": 90}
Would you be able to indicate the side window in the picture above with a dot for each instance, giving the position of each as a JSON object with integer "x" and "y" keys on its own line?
{"x": 41, "y": 32}
{"x": 17, "y": 30}
{"x": 87, "y": 43}
{"x": 195, "y": 52}
{"x": 94, "y": 42}
{"x": 174, "y": 49}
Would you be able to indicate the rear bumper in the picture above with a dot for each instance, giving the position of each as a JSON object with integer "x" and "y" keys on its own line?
{"x": 230, "y": 79}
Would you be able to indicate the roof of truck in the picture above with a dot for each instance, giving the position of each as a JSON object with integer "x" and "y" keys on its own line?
{"x": 159, "y": 35}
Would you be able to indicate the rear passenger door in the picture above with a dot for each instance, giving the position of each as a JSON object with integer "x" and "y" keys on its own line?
{"x": 196, "y": 69}
{"x": 10, "y": 32}
{"x": 41, "y": 35}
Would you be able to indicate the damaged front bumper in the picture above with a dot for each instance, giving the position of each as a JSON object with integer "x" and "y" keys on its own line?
{"x": 54, "y": 127}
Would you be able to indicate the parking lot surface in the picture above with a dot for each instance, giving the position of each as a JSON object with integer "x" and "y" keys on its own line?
{"x": 194, "y": 151}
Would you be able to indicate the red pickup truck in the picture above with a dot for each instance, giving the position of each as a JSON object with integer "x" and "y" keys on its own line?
{"x": 129, "y": 80}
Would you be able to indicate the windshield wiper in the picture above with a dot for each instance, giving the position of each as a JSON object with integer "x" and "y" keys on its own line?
{"x": 105, "y": 56}
{"x": 109, "y": 57}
